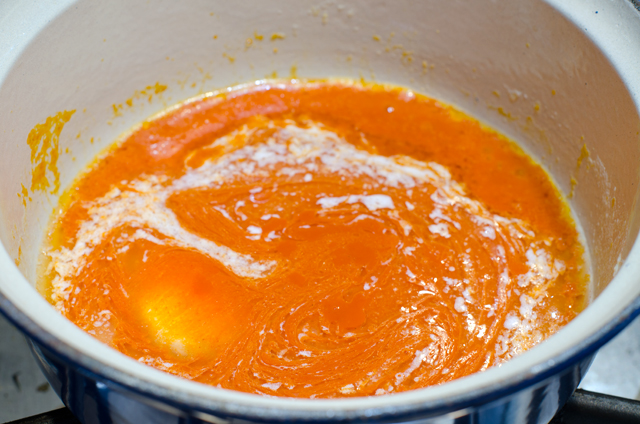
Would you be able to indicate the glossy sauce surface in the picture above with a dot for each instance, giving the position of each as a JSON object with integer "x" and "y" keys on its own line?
{"x": 316, "y": 240}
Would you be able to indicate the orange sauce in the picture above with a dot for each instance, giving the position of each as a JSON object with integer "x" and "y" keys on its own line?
{"x": 316, "y": 240}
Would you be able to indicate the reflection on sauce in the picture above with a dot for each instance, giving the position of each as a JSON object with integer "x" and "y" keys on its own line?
{"x": 316, "y": 240}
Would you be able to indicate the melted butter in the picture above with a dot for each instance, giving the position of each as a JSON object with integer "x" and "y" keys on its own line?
{"x": 317, "y": 240}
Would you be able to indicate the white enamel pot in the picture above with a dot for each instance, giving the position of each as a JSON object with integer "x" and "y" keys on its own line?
{"x": 577, "y": 60}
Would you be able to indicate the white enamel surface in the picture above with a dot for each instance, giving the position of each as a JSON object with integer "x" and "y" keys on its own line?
{"x": 95, "y": 64}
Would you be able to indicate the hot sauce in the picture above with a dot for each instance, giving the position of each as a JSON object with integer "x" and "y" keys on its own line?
{"x": 316, "y": 240}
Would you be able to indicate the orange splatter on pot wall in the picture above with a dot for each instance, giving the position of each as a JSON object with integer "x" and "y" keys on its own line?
{"x": 44, "y": 140}
{"x": 316, "y": 240}
{"x": 44, "y": 143}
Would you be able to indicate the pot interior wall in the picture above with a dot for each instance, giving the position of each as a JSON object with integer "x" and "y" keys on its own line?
{"x": 518, "y": 66}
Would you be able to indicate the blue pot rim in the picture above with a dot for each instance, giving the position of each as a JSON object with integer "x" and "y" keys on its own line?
{"x": 151, "y": 393}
